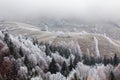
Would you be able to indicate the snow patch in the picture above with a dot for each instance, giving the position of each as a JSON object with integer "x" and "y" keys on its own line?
{"x": 96, "y": 47}
{"x": 111, "y": 41}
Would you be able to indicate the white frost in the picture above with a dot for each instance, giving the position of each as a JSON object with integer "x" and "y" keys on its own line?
{"x": 96, "y": 47}
{"x": 111, "y": 41}
{"x": 57, "y": 76}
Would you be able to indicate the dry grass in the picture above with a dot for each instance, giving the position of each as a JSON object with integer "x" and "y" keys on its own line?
{"x": 86, "y": 41}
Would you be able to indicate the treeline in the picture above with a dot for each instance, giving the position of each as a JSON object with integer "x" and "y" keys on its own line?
{"x": 87, "y": 60}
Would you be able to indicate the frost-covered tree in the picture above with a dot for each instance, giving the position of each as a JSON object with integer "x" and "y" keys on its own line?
{"x": 97, "y": 52}
{"x": 61, "y": 49}
{"x": 115, "y": 60}
{"x": 75, "y": 48}
{"x": 53, "y": 68}
{"x": 57, "y": 76}
{"x": 47, "y": 50}
{"x": 76, "y": 60}
{"x": 82, "y": 70}
{"x": 21, "y": 52}
{"x": 64, "y": 69}
{"x": 22, "y": 72}
{"x": 35, "y": 41}
{"x": 27, "y": 63}
{"x": 71, "y": 66}
{"x": 36, "y": 78}
{"x": 58, "y": 58}
{"x": 6, "y": 38}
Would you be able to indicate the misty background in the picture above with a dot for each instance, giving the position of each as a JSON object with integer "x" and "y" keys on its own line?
{"x": 96, "y": 16}
{"x": 86, "y": 9}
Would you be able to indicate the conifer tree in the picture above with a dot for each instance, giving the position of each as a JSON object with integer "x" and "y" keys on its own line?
{"x": 47, "y": 50}
{"x": 71, "y": 66}
{"x": 116, "y": 60}
{"x": 53, "y": 68}
{"x": 75, "y": 77}
{"x": 6, "y": 38}
{"x": 21, "y": 52}
{"x": 64, "y": 69}
{"x": 112, "y": 76}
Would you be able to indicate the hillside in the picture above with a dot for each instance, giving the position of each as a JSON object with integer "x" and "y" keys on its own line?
{"x": 110, "y": 27}
{"x": 27, "y": 53}
{"x": 22, "y": 58}
{"x": 105, "y": 45}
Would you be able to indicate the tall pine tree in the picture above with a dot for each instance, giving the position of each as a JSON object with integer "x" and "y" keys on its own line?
{"x": 64, "y": 69}
{"x": 53, "y": 68}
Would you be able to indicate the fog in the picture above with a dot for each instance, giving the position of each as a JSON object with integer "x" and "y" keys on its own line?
{"x": 88, "y": 9}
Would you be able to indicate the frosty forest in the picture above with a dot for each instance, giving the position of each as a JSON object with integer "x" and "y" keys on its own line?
{"x": 25, "y": 58}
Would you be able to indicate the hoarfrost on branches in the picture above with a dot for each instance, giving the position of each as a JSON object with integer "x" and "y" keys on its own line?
{"x": 96, "y": 47}
{"x": 23, "y": 71}
{"x": 57, "y": 76}
{"x": 36, "y": 78}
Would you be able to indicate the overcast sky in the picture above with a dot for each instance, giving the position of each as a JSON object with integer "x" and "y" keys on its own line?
{"x": 109, "y": 9}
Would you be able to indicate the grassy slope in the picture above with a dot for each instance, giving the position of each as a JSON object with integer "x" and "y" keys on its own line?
{"x": 85, "y": 40}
